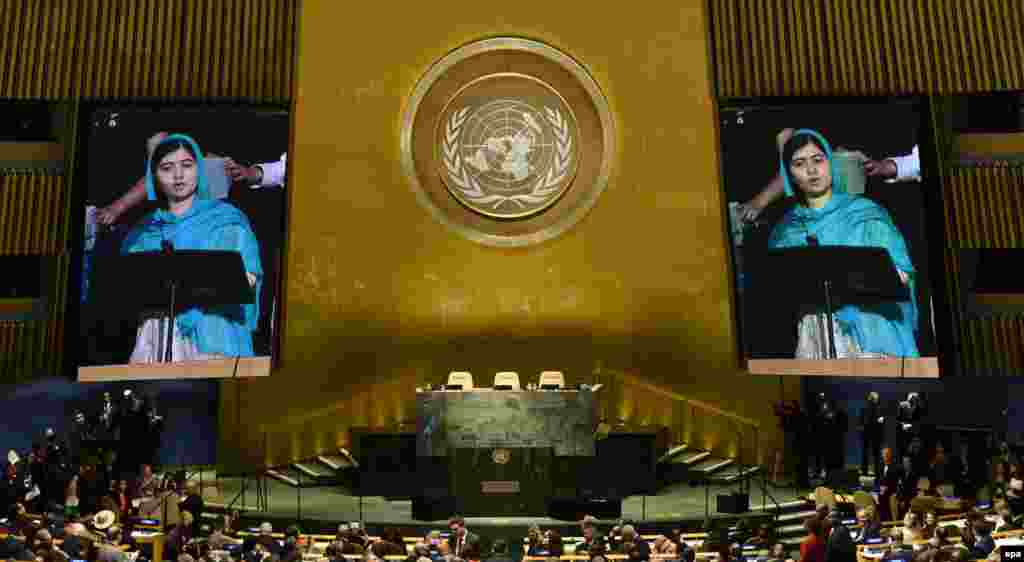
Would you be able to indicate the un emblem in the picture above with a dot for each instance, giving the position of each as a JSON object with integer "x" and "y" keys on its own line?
{"x": 501, "y": 456}
{"x": 507, "y": 141}
{"x": 508, "y": 158}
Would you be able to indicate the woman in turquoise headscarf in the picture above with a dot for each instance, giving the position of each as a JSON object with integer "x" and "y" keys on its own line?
{"x": 191, "y": 220}
{"x": 831, "y": 216}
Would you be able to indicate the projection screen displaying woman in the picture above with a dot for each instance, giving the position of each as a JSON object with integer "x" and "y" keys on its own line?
{"x": 826, "y": 215}
{"x": 190, "y": 219}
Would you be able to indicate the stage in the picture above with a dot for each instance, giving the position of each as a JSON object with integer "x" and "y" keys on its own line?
{"x": 322, "y": 506}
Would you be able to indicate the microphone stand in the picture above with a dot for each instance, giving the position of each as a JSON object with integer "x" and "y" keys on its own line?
{"x": 168, "y": 250}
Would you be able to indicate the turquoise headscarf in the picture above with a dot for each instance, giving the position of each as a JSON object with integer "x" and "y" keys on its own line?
{"x": 838, "y": 180}
{"x": 210, "y": 224}
{"x": 202, "y": 187}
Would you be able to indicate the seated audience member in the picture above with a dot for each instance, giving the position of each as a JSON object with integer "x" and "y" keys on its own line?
{"x": 1007, "y": 522}
{"x": 589, "y": 533}
{"x": 939, "y": 538}
{"x": 193, "y": 503}
{"x": 615, "y": 539}
{"x": 553, "y": 543}
{"x": 812, "y": 549}
{"x": 912, "y": 529}
{"x": 663, "y": 547}
{"x": 391, "y": 544}
{"x": 871, "y": 525}
{"x": 179, "y": 536}
{"x": 290, "y": 551}
{"x": 46, "y": 551}
{"x": 683, "y": 551}
{"x": 77, "y": 543}
{"x": 899, "y": 552}
{"x": 534, "y": 541}
{"x": 967, "y": 536}
{"x": 499, "y": 552}
{"x": 930, "y": 523}
{"x": 633, "y": 546}
{"x": 218, "y": 539}
{"x": 599, "y": 550}
{"x": 264, "y": 539}
{"x": 778, "y": 553}
{"x": 110, "y": 550}
{"x": 1015, "y": 495}
{"x": 983, "y": 542}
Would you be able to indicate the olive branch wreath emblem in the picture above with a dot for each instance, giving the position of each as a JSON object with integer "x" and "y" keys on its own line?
{"x": 542, "y": 189}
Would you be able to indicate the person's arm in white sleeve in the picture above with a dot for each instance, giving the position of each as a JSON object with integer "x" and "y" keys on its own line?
{"x": 909, "y": 166}
{"x": 273, "y": 173}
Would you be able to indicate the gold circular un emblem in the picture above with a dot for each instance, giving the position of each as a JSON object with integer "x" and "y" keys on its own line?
{"x": 507, "y": 141}
{"x": 507, "y": 146}
{"x": 501, "y": 456}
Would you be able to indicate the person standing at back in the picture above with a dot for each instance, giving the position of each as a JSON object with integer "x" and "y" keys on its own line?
{"x": 812, "y": 549}
{"x": 463, "y": 544}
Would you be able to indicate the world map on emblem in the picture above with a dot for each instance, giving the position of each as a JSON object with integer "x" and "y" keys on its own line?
{"x": 508, "y": 158}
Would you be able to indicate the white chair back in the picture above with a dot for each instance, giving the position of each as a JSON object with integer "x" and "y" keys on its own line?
{"x": 552, "y": 377}
{"x": 507, "y": 378}
{"x": 461, "y": 377}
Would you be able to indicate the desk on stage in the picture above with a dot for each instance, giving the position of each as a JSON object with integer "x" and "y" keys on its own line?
{"x": 504, "y": 449}
{"x": 563, "y": 421}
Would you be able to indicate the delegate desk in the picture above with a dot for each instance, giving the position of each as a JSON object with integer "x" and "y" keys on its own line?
{"x": 506, "y": 451}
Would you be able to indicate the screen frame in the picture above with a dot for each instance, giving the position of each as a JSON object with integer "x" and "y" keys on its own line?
{"x": 87, "y": 113}
{"x": 934, "y": 227}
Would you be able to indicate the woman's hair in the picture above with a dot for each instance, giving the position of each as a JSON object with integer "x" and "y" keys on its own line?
{"x": 795, "y": 143}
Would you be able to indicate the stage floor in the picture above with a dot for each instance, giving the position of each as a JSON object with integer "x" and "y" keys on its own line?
{"x": 678, "y": 502}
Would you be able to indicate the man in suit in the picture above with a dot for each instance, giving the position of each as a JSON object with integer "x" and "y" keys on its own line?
{"x": 889, "y": 479}
{"x": 872, "y": 425}
{"x": 633, "y": 546}
{"x": 462, "y": 543}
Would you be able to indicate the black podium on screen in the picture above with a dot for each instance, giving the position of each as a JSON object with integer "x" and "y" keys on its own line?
{"x": 173, "y": 280}
{"x": 831, "y": 276}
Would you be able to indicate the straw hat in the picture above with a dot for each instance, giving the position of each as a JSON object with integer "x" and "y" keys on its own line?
{"x": 104, "y": 519}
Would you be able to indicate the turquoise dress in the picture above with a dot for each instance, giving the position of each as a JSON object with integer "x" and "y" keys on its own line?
{"x": 884, "y": 328}
{"x": 211, "y": 224}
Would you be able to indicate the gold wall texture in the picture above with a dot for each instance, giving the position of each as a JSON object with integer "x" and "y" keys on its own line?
{"x": 381, "y": 298}
{"x": 882, "y": 47}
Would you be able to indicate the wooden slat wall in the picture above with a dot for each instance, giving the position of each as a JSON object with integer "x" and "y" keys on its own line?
{"x": 887, "y": 47}
{"x": 984, "y": 207}
{"x": 33, "y": 209}
{"x": 70, "y": 50}
{"x": 67, "y": 49}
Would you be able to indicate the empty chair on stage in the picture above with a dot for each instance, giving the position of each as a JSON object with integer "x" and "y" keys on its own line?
{"x": 506, "y": 380}
{"x": 461, "y": 378}
{"x": 552, "y": 379}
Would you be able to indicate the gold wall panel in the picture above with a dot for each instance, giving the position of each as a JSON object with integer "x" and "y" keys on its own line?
{"x": 822, "y": 47}
{"x": 381, "y": 299}
{"x": 60, "y": 49}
